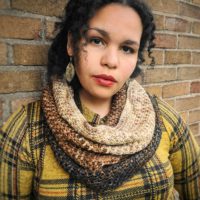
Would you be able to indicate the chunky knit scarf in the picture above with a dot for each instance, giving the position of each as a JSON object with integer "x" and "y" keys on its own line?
{"x": 102, "y": 156}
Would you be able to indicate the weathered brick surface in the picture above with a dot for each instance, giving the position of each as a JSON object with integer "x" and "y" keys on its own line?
{"x": 3, "y": 54}
{"x": 165, "y": 41}
{"x": 177, "y": 57}
{"x": 188, "y": 42}
{"x": 187, "y": 103}
{"x": 197, "y": 137}
{"x": 196, "y": 58}
{"x": 154, "y": 90}
{"x": 189, "y": 10}
{"x": 20, "y": 81}
{"x": 50, "y": 33}
{"x": 195, "y": 87}
{"x": 160, "y": 75}
{"x": 196, "y": 28}
{"x": 158, "y": 56}
{"x": 171, "y": 102}
{"x": 186, "y": 73}
{"x": 176, "y": 89}
{"x": 42, "y": 7}
{"x": 3, "y": 4}
{"x": 194, "y": 128}
{"x": 177, "y": 24}
{"x": 19, "y": 27}
{"x": 184, "y": 116}
{"x": 30, "y": 54}
{"x": 163, "y": 5}
{"x": 22, "y": 101}
{"x": 1, "y": 109}
{"x": 159, "y": 20}
{"x": 194, "y": 116}
{"x": 196, "y": 1}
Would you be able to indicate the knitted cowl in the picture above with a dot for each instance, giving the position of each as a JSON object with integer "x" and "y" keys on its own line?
{"x": 94, "y": 162}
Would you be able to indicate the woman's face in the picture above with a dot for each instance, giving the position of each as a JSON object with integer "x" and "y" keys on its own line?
{"x": 108, "y": 55}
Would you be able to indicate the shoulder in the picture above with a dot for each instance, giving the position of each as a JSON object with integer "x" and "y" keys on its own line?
{"x": 170, "y": 117}
{"x": 173, "y": 125}
{"x": 18, "y": 123}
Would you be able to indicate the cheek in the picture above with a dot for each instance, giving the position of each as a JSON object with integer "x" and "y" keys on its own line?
{"x": 129, "y": 69}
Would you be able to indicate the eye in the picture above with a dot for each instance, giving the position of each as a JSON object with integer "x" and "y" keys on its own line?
{"x": 96, "y": 41}
{"x": 128, "y": 50}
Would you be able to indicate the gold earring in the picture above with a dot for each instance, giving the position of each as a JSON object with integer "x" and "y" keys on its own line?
{"x": 70, "y": 71}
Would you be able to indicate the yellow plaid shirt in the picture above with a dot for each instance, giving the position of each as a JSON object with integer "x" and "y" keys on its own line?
{"x": 29, "y": 169}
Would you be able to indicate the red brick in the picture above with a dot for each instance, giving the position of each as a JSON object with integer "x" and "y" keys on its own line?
{"x": 50, "y": 30}
{"x": 139, "y": 78}
{"x": 160, "y": 75}
{"x": 165, "y": 41}
{"x": 189, "y": 10}
{"x": 177, "y": 24}
{"x": 196, "y": 1}
{"x": 177, "y": 57}
{"x": 186, "y": 73}
{"x": 1, "y": 109}
{"x": 30, "y": 54}
{"x": 20, "y": 81}
{"x": 196, "y": 58}
{"x": 42, "y": 7}
{"x": 159, "y": 21}
{"x": 195, "y": 129}
{"x": 194, "y": 116}
{"x": 19, "y": 27}
{"x": 154, "y": 90}
{"x": 4, "y": 4}
{"x": 189, "y": 42}
{"x": 176, "y": 89}
{"x": 184, "y": 116}
{"x": 197, "y": 137}
{"x": 195, "y": 87}
{"x": 3, "y": 54}
{"x": 187, "y": 103}
{"x": 196, "y": 27}
{"x": 22, "y": 101}
{"x": 163, "y": 5}
{"x": 171, "y": 102}
{"x": 158, "y": 56}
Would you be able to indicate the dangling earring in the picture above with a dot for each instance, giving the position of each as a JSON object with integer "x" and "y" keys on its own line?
{"x": 70, "y": 71}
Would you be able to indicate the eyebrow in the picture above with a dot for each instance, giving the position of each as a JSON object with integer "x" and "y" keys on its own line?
{"x": 106, "y": 34}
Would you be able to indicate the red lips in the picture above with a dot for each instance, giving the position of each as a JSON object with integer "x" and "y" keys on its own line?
{"x": 104, "y": 80}
{"x": 106, "y": 77}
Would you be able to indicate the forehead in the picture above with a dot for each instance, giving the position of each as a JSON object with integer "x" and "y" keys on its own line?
{"x": 118, "y": 19}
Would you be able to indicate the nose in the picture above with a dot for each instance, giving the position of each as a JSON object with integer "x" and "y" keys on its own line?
{"x": 110, "y": 58}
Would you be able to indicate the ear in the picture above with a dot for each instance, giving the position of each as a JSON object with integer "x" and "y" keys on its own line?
{"x": 69, "y": 45}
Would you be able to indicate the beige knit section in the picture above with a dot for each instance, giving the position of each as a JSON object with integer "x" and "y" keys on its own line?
{"x": 64, "y": 133}
{"x": 136, "y": 124}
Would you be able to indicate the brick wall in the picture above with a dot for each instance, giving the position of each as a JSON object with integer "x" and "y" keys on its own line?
{"x": 26, "y": 30}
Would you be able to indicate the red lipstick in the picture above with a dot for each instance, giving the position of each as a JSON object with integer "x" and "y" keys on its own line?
{"x": 104, "y": 80}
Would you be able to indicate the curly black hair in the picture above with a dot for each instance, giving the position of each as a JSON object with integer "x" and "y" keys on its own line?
{"x": 76, "y": 18}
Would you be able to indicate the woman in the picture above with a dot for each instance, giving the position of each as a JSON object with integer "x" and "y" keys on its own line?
{"x": 96, "y": 134}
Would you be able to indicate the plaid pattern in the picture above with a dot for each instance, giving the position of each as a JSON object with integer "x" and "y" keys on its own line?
{"x": 29, "y": 170}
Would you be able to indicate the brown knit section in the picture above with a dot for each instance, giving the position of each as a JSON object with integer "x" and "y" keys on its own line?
{"x": 64, "y": 135}
{"x": 117, "y": 106}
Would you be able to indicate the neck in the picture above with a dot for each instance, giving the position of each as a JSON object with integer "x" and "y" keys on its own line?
{"x": 97, "y": 105}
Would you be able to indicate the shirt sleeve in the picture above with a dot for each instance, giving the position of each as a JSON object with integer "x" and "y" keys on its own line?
{"x": 16, "y": 163}
{"x": 184, "y": 155}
